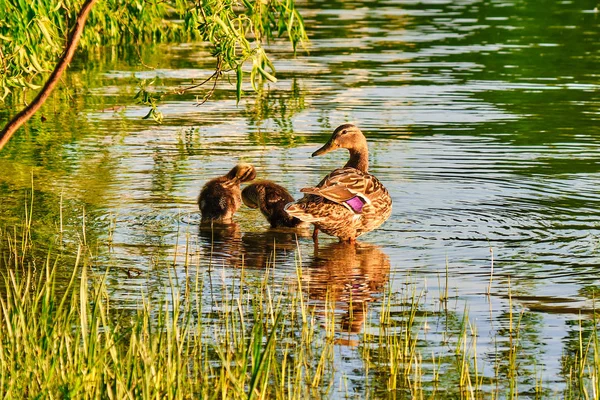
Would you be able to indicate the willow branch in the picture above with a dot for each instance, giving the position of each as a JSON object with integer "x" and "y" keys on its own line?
{"x": 54, "y": 78}
{"x": 215, "y": 75}
{"x": 211, "y": 91}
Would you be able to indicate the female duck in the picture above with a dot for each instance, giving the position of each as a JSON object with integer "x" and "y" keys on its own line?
{"x": 271, "y": 199}
{"x": 349, "y": 201}
{"x": 220, "y": 197}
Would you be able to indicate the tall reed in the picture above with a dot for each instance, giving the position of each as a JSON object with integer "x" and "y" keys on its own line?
{"x": 250, "y": 336}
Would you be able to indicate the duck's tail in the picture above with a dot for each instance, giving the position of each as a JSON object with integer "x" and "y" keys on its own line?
{"x": 298, "y": 210}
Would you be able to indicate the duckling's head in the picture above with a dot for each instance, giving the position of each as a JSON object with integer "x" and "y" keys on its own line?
{"x": 242, "y": 173}
{"x": 251, "y": 196}
{"x": 346, "y": 136}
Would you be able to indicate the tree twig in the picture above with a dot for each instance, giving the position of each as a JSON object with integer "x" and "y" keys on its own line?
{"x": 137, "y": 49}
{"x": 54, "y": 78}
{"x": 214, "y": 75}
{"x": 211, "y": 91}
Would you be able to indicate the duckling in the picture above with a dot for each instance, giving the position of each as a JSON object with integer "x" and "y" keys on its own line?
{"x": 220, "y": 197}
{"x": 349, "y": 201}
{"x": 271, "y": 199}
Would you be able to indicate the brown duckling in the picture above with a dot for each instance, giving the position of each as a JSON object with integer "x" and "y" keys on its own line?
{"x": 220, "y": 197}
{"x": 271, "y": 199}
{"x": 348, "y": 202}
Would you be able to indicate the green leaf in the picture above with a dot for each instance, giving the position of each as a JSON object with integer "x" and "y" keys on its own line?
{"x": 149, "y": 114}
{"x": 266, "y": 74}
{"x": 36, "y": 64}
{"x": 253, "y": 76}
{"x": 45, "y": 32}
{"x": 31, "y": 85}
{"x": 238, "y": 86}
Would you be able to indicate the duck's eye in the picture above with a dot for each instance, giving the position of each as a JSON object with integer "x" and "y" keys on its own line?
{"x": 344, "y": 132}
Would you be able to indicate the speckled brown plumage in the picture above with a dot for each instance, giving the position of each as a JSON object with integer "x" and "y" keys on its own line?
{"x": 349, "y": 201}
{"x": 220, "y": 197}
{"x": 270, "y": 198}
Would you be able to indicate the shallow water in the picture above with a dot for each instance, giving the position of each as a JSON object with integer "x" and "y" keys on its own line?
{"x": 483, "y": 123}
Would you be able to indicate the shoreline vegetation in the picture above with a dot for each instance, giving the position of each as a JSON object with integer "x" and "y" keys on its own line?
{"x": 247, "y": 336}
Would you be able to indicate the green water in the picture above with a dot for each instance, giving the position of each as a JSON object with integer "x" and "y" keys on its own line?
{"x": 483, "y": 120}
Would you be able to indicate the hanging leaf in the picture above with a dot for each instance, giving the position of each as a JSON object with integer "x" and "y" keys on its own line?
{"x": 238, "y": 86}
{"x": 266, "y": 74}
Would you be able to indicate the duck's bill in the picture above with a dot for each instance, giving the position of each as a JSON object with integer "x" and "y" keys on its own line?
{"x": 325, "y": 149}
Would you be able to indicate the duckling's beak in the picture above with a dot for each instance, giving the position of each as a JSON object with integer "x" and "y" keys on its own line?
{"x": 331, "y": 145}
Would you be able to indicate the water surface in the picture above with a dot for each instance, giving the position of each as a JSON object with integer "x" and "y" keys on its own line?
{"x": 483, "y": 123}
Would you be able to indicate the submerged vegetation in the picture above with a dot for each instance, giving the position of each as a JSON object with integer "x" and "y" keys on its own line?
{"x": 252, "y": 336}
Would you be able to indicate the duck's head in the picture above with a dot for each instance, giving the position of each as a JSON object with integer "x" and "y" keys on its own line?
{"x": 242, "y": 172}
{"x": 346, "y": 136}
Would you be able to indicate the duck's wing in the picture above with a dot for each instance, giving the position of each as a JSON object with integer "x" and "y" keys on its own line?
{"x": 348, "y": 187}
{"x": 338, "y": 194}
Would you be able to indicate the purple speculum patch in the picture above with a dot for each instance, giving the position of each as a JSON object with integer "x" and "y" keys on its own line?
{"x": 356, "y": 203}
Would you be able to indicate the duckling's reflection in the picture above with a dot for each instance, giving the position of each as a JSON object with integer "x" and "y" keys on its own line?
{"x": 271, "y": 247}
{"x": 349, "y": 275}
{"x": 221, "y": 244}
{"x": 224, "y": 244}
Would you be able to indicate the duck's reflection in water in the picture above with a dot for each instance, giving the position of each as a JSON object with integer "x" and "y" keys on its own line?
{"x": 351, "y": 276}
{"x": 221, "y": 244}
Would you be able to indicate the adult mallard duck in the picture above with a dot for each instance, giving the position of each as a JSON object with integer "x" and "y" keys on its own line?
{"x": 271, "y": 199}
{"x": 220, "y": 197}
{"x": 349, "y": 201}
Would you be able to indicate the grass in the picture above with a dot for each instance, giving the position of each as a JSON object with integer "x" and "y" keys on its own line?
{"x": 71, "y": 342}
{"x": 252, "y": 336}
{"x": 76, "y": 345}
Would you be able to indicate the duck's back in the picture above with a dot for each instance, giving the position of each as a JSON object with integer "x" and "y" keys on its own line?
{"x": 271, "y": 199}
{"x": 371, "y": 203}
{"x": 219, "y": 199}
{"x": 346, "y": 203}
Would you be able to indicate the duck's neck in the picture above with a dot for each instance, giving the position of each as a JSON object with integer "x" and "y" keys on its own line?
{"x": 359, "y": 159}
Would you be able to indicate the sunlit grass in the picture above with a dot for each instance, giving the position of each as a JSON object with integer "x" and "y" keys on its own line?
{"x": 66, "y": 338}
